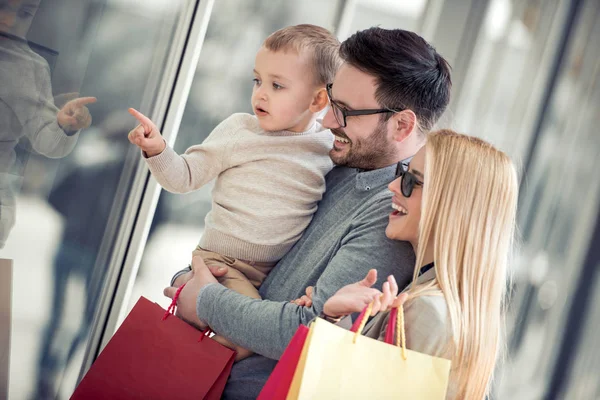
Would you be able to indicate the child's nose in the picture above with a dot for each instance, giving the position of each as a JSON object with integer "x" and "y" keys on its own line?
{"x": 261, "y": 93}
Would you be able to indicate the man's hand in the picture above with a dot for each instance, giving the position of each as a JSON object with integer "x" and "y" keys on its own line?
{"x": 74, "y": 115}
{"x": 146, "y": 135}
{"x": 186, "y": 302}
{"x": 199, "y": 276}
{"x": 355, "y": 297}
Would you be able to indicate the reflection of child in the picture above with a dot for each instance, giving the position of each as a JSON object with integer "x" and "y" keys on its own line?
{"x": 26, "y": 105}
{"x": 270, "y": 166}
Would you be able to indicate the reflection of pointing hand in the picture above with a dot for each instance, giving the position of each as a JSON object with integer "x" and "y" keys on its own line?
{"x": 61, "y": 99}
{"x": 146, "y": 135}
{"x": 75, "y": 115}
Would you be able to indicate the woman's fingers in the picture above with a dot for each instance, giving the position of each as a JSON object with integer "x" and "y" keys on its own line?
{"x": 393, "y": 285}
{"x": 370, "y": 279}
{"x": 400, "y": 300}
{"x": 377, "y": 296}
{"x": 387, "y": 297}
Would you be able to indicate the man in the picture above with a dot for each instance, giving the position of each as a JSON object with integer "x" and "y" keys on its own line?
{"x": 391, "y": 89}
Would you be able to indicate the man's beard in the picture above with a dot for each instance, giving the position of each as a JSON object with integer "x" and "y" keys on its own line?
{"x": 370, "y": 153}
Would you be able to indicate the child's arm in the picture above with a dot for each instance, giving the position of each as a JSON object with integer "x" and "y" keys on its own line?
{"x": 187, "y": 172}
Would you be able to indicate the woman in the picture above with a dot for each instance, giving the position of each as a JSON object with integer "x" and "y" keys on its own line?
{"x": 456, "y": 205}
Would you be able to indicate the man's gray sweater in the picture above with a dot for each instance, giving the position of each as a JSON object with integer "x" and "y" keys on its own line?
{"x": 345, "y": 239}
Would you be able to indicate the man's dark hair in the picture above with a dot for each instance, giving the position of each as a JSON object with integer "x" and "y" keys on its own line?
{"x": 410, "y": 73}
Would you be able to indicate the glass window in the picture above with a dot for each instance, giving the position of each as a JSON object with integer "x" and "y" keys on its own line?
{"x": 69, "y": 71}
{"x": 583, "y": 380}
{"x": 559, "y": 207}
{"x": 506, "y": 76}
{"x": 388, "y": 14}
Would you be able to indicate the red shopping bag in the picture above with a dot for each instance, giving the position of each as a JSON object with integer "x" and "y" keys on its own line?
{"x": 152, "y": 358}
{"x": 278, "y": 384}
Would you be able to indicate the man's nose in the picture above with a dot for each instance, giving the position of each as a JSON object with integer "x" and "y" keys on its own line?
{"x": 329, "y": 120}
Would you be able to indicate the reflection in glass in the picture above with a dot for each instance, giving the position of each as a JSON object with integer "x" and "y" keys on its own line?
{"x": 70, "y": 183}
{"x": 27, "y": 107}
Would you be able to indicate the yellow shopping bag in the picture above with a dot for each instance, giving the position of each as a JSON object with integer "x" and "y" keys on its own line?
{"x": 341, "y": 364}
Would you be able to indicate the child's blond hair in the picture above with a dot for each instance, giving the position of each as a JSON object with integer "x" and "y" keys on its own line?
{"x": 318, "y": 43}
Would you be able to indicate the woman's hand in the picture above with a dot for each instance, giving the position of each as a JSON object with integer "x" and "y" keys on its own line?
{"x": 355, "y": 297}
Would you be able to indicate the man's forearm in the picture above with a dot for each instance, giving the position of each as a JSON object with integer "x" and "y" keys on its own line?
{"x": 263, "y": 326}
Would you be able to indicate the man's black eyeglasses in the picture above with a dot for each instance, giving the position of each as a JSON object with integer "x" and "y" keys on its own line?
{"x": 341, "y": 113}
{"x": 408, "y": 181}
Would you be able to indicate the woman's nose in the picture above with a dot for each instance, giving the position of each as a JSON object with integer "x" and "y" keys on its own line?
{"x": 394, "y": 186}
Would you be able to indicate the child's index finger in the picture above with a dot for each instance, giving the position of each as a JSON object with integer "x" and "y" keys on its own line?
{"x": 145, "y": 121}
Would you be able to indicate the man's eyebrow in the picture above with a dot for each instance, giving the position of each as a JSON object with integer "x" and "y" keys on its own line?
{"x": 339, "y": 102}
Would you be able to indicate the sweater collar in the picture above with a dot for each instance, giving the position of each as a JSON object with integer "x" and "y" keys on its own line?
{"x": 316, "y": 127}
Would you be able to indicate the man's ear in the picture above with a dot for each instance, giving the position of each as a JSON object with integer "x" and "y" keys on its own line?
{"x": 404, "y": 123}
{"x": 320, "y": 101}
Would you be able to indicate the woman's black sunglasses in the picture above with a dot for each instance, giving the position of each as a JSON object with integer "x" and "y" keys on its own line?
{"x": 408, "y": 181}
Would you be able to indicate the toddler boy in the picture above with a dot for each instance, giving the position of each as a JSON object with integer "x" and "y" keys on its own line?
{"x": 269, "y": 167}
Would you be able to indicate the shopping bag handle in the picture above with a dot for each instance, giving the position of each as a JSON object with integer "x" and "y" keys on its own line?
{"x": 361, "y": 321}
{"x": 396, "y": 320}
{"x": 173, "y": 305}
{"x": 171, "y": 310}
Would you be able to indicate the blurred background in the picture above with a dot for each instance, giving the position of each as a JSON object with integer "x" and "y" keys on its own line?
{"x": 93, "y": 232}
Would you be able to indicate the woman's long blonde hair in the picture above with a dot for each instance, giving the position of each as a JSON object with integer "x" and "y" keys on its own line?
{"x": 469, "y": 207}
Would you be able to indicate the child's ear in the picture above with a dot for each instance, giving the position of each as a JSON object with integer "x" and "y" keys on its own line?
{"x": 320, "y": 101}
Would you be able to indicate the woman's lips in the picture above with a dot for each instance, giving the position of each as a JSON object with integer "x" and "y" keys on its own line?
{"x": 399, "y": 210}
